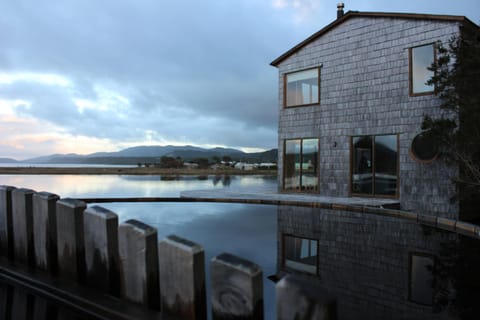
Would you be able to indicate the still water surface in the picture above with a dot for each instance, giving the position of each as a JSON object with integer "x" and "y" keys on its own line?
{"x": 249, "y": 231}
{"x": 376, "y": 267}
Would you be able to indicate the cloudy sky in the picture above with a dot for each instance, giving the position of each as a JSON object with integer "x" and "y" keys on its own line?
{"x": 101, "y": 75}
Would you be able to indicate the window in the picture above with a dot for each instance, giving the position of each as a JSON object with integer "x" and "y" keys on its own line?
{"x": 375, "y": 165}
{"x": 301, "y": 165}
{"x": 300, "y": 254}
{"x": 421, "y": 58}
{"x": 302, "y": 88}
{"x": 421, "y": 279}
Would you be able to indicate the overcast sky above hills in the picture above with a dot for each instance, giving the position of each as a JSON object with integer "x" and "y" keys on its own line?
{"x": 87, "y": 76}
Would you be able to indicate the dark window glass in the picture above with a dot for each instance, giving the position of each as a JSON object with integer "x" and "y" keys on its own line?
{"x": 421, "y": 279}
{"x": 375, "y": 165}
{"x": 386, "y": 165}
{"x": 301, "y": 254}
{"x": 362, "y": 164}
{"x": 421, "y": 58}
{"x": 424, "y": 147}
{"x": 292, "y": 164}
{"x": 300, "y": 164}
{"x": 302, "y": 88}
{"x": 309, "y": 164}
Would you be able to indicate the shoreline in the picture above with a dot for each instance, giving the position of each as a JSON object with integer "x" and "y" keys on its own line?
{"x": 129, "y": 171}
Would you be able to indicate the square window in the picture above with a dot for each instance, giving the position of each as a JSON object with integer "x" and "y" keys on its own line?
{"x": 302, "y": 88}
{"x": 421, "y": 58}
{"x": 300, "y": 254}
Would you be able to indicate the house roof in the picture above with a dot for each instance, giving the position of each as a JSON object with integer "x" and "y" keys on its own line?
{"x": 352, "y": 14}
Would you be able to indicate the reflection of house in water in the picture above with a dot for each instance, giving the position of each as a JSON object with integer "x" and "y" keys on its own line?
{"x": 374, "y": 266}
{"x": 352, "y": 100}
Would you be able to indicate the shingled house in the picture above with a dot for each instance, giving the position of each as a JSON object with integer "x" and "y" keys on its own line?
{"x": 352, "y": 98}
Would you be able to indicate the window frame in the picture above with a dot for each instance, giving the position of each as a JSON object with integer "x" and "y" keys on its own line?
{"x": 317, "y": 260}
{"x": 285, "y": 84}
{"x": 300, "y": 188}
{"x": 373, "y": 194}
{"x": 410, "y": 70}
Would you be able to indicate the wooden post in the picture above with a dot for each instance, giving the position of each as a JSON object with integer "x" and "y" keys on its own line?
{"x": 45, "y": 230}
{"x": 237, "y": 288}
{"x": 137, "y": 245}
{"x": 182, "y": 278}
{"x": 6, "y": 236}
{"x": 22, "y": 222}
{"x": 71, "y": 252}
{"x": 101, "y": 249}
{"x": 303, "y": 299}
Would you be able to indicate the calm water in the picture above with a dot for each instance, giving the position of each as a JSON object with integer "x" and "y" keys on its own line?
{"x": 249, "y": 231}
{"x": 376, "y": 267}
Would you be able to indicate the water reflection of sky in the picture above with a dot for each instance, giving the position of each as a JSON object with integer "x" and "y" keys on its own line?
{"x": 84, "y": 186}
{"x": 249, "y": 231}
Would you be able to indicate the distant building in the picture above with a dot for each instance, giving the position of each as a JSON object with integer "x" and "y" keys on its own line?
{"x": 352, "y": 99}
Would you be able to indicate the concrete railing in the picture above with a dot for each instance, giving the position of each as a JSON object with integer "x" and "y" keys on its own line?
{"x": 87, "y": 246}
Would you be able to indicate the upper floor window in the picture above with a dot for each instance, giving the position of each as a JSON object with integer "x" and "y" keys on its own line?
{"x": 302, "y": 88}
{"x": 421, "y": 58}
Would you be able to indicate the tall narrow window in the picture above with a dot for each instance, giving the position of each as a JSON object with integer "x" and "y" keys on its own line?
{"x": 421, "y": 58}
{"x": 375, "y": 165}
{"x": 301, "y": 165}
{"x": 302, "y": 88}
{"x": 300, "y": 254}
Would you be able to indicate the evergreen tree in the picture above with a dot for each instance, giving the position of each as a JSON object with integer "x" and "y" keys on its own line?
{"x": 457, "y": 131}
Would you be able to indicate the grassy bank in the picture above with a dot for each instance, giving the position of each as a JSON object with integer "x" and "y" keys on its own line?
{"x": 131, "y": 171}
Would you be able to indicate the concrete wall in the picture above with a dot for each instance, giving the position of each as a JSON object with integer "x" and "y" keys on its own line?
{"x": 365, "y": 91}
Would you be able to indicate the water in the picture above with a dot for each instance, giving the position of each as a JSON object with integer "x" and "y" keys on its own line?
{"x": 375, "y": 267}
{"x": 248, "y": 231}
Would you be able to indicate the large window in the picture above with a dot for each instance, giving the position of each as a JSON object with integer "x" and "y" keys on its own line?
{"x": 300, "y": 254}
{"x": 421, "y": 58}
{"x": 375, "y": 165}
{"x": 302, "y": 88}
{"x": 301, "y": 165}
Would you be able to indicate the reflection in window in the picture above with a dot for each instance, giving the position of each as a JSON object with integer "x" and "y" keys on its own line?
{"x": 301, "y": 254}
{"x": 421, "y": 58}
{"x": 301, "y": 165}
{"x": 421, "y": 279}
{"x": 302, "y": 88}
{"x": 375, "y": 165}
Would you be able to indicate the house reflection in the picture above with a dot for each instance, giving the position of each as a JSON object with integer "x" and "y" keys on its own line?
{"x": 376, "y": 267}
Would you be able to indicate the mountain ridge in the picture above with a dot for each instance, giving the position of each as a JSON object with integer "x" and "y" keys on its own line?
{"x": 144, "y": 154}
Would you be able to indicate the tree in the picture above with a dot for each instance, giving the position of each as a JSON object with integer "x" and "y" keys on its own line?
{"x": 457, "y": 131}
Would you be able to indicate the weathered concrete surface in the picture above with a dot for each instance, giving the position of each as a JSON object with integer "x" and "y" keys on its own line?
{"x": 101, "y": 249}
{"x": 22, "y": 222}
{"x": 237, "y": 288}
{"x": 300, "y": 299}
{"x": 138, "y": 252}
{"x": 6, "y": 236}
{"x": 182, "y": 278}
{"x": 45, "y": 230}
{"x": 70, "y": 241}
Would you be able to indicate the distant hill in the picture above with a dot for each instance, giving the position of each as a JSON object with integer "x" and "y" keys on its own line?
{"x": 7, "y": 160}
{"x": 152, "y": 154}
